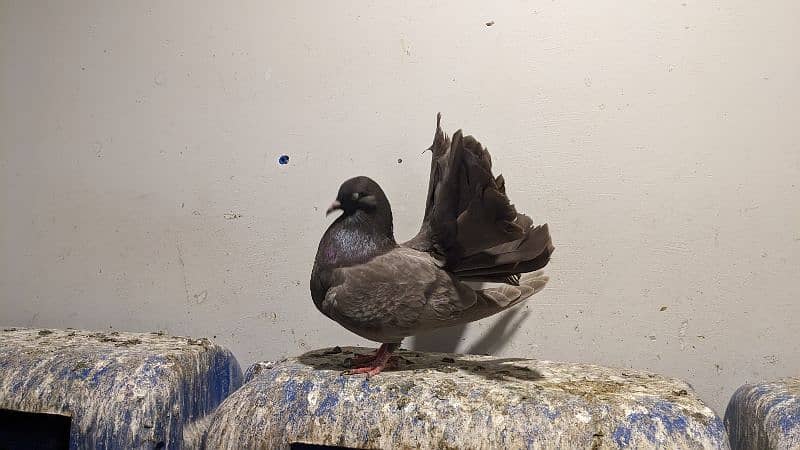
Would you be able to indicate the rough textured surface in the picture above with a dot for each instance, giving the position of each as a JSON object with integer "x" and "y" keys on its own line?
{"x": 765, "y": 416}
{"x": 436, "y": 400}
{"x": 140, "y": 147}
{"x": 123, "y": 390}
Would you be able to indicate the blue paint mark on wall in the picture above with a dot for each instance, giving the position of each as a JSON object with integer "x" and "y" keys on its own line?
{"x": 283, "y": 160}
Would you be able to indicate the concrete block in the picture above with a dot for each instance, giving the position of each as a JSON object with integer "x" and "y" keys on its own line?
{"x": 765, "y": 416}
{"x": 122, "y": 390}
{"x": 436, "y": 400}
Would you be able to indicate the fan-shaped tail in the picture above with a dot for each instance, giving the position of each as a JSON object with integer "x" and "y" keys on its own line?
{"x": 469, "y": 220}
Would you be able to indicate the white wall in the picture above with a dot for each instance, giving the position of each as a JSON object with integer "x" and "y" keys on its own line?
{"x": 660, "y": 140}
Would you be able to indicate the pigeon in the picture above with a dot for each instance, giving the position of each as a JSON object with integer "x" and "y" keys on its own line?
{"x": 470, "y": 235}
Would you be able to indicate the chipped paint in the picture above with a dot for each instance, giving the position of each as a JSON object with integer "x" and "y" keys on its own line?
{"x": 436, "y": 400}
{"x": 123, "y": 390}
{"x": 765, "y": 415}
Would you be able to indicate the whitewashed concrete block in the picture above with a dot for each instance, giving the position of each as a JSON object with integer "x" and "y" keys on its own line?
{"x": 122, "y": 390}
{"x": 765, "y": 416}
{"x": 435, "y": 400}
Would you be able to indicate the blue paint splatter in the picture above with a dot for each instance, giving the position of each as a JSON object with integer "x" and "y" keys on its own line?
{"x": 81, "y": 373}
{"x": 548, "y": 412}
{"x": 327, "y": 405}
{"x": 622, "y": 436}
{"x": 99, "y": 376}
{"x": 290, "y": 391}
{"x": 102, "y": 375}
{"x": 644, "y": 424}
{"x": 295, "y": 397}
{"x": 283, "y": 160}
{"x": 789, "y": 420}
{"x": 367, "y": 389}
{"x": 671, "y": 417}
{"x": 716, "y": 429}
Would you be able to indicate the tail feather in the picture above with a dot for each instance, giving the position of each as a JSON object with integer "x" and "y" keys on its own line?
{"x": 486, "y": 217}
{"x": 507, "y": 296}
{"x": 469, "y": 220}
{"x": 532, "y": 252}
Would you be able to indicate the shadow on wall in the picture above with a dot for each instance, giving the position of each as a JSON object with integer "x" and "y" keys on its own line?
{"x": 447, "y": 340}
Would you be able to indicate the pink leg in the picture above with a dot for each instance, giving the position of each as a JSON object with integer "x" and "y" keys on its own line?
{"x": 359, "y": 360}
{"x": 377, "y": 363}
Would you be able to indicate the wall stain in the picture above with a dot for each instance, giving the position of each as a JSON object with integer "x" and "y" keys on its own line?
{"x": 201, "y": 297}
{"x": 183, "y": 269}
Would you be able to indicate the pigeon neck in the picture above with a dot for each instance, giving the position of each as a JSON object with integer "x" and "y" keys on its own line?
{"x": 357, "y": 238}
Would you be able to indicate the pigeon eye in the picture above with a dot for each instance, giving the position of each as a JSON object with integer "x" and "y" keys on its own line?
{"x": 356, "y": 195}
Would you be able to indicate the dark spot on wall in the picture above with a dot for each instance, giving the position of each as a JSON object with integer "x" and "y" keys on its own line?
{"x": 399, "y": 160}
{"x": 283, "y": 160}
{"x": 490, "y": 23}
{"x": 663, "y": 308}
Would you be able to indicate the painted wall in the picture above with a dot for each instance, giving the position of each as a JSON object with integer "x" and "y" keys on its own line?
{"x": 141, "y": 189}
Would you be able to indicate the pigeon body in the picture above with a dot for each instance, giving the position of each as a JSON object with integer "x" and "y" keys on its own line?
{"x": 385, "y": 291}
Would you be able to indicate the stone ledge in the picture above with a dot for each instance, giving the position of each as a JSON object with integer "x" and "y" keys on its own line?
{"x": 765, "y": 416}
{"x": 123, "y": 390}
{"x": 436, "y": 400}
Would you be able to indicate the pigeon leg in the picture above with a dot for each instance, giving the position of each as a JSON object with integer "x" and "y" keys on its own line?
{"x": 383, "y": 358}
{"x": 360, "y": 360}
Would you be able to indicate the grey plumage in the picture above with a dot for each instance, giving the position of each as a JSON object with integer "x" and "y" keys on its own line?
{"x": 385, "y": 291}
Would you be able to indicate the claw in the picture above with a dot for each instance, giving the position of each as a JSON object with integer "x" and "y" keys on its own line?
{"x": 373, "y": 364}
{"x": 390, "y": 362}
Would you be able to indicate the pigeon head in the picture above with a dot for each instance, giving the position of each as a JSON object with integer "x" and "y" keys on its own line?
{"x": 361, "y": 194}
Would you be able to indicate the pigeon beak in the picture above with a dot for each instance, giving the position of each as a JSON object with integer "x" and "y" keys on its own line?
{"x": 334, "y": 206}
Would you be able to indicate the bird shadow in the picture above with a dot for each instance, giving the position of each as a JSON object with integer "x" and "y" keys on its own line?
{"x": 447, "y": 340}
{"x": 436, "y": 351}
{"x": 340, "y": 359}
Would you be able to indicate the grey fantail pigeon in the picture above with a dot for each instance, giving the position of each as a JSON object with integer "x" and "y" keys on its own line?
{"x": 384, "y": 291}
